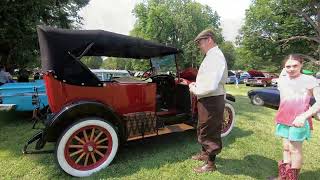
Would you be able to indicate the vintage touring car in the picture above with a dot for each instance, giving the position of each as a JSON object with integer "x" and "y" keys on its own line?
{"x": 90, "y": 118}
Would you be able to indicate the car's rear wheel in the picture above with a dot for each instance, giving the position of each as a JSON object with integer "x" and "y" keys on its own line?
{"x": 87, "y": 146}
{"x": 228, "y": 120}
{"x": 257, "y": 100}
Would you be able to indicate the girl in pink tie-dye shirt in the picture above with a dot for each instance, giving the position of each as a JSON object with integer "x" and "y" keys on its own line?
{"x": 294, "y": 114}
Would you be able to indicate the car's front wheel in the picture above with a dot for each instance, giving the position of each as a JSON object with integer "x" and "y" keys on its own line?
{"x": 257, "y": 100}
{"x": 228, "y": 120}
{"x": 87, "y": 146}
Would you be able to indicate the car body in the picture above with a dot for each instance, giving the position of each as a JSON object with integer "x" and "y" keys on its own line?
{"x": 90, "y": 118}
{"x": 25, "y": 96}
{"x": 269, "y": 97}
{"x": 258, "y": 78}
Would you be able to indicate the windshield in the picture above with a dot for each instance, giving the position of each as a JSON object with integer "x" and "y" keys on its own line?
{"x": 164, "y": 65}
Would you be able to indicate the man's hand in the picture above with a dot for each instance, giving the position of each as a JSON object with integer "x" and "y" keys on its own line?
{"x": 299, "y": 121}
{"x": 192, "y": 87}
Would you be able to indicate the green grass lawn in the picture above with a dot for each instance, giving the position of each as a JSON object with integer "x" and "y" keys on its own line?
{"x": 251, "y": 151}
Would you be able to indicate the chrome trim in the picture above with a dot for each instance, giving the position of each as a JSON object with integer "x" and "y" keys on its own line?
{"x": 23, "y": 94}
{"x": 7, "y": 107}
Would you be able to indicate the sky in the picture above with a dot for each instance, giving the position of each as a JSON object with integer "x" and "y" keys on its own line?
{"x": 116, "y": 15}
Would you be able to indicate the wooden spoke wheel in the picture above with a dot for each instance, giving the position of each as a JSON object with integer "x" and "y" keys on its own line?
{"x": 228, "y": 120}
{"x": 86, "y": 147}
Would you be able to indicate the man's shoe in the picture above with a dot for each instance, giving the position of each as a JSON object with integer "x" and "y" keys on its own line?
{"x": 200, "y": 157}
{"x": 205, "y": 168}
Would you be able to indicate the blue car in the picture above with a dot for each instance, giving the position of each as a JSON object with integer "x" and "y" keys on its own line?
{"x": 231, "y": 78}
{"x": 244, "y": 76}
{"x": 269, "y": 97}
{"x": 24, "y": 96}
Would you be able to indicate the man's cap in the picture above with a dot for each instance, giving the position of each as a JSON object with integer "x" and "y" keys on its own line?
{"x": 204, "y": 35}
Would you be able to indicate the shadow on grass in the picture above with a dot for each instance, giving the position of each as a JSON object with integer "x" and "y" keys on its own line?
{"x": 255, "y": 166}
{"x": 12, "y": 118}
{"x": 16, "y": 130}
{"x": 310, "y": 174}
{"x": 249, "y": 111}
{"x": 156, "y": 152}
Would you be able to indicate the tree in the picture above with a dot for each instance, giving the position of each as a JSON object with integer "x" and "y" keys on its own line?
{"x": 125, "y": 63}
{"x": 92, "y": 62}
{"x": 276, "y": 28}
{"x": 176, "y": 23}
{"x": 18, "y": 21}
{"x": 229, "y": 52}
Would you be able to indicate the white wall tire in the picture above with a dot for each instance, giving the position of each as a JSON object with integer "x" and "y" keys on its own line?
{"x": 257, "y": 100}
{"x": 94, "y": 151}
{"x": 228, "y": 119}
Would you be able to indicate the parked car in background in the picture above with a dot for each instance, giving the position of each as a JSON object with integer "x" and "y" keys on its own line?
{"x": 269, "y": 97}
{"x": 108, "y": 75}
{"x": 274, "y": 82}
{"x": 258, "y": 78}
{"x": 231, "y": 77}
{"x": 23, "y": 96}
{"x": 138, "y": 74}
{"x": 244, "y": 75}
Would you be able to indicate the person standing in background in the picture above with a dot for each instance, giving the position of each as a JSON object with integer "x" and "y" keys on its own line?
{"x": 5, "y": 77}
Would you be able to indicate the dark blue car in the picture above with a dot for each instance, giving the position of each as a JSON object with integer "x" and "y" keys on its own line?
{"x": 269, "y": 97}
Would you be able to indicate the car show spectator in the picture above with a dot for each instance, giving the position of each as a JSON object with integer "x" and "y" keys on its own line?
{"x": 237, "y": 78}
{"x": 23, "y": 75}
{"x": 293, "y": 119}
{"x": 5, "y": 77}
{"x": 210, "y": 92}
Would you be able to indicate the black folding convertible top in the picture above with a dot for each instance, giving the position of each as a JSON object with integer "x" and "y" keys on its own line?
{"x": 61, "y": 50}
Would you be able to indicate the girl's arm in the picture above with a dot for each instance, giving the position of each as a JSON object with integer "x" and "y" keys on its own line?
{"x": 300, "y": 120}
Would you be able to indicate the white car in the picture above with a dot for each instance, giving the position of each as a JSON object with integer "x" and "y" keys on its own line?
{"x": 107, "y": 75}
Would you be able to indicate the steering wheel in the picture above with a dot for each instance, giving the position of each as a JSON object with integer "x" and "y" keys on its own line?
{"x": 147, "y": 74}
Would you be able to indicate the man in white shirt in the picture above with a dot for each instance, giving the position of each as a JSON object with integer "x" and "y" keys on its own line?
{"x": 210, "y": 92}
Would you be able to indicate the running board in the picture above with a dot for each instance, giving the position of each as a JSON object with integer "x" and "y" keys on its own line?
{"x": 166, "y": 130}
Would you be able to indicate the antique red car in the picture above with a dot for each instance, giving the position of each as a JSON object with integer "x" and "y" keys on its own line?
{"x": 90, "y": 118}
{"x": 259, "y": 78}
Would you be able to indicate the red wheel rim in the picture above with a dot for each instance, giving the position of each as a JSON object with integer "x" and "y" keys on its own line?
{"x": 227, "y": 119}
{"x": 88, "y": 148}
